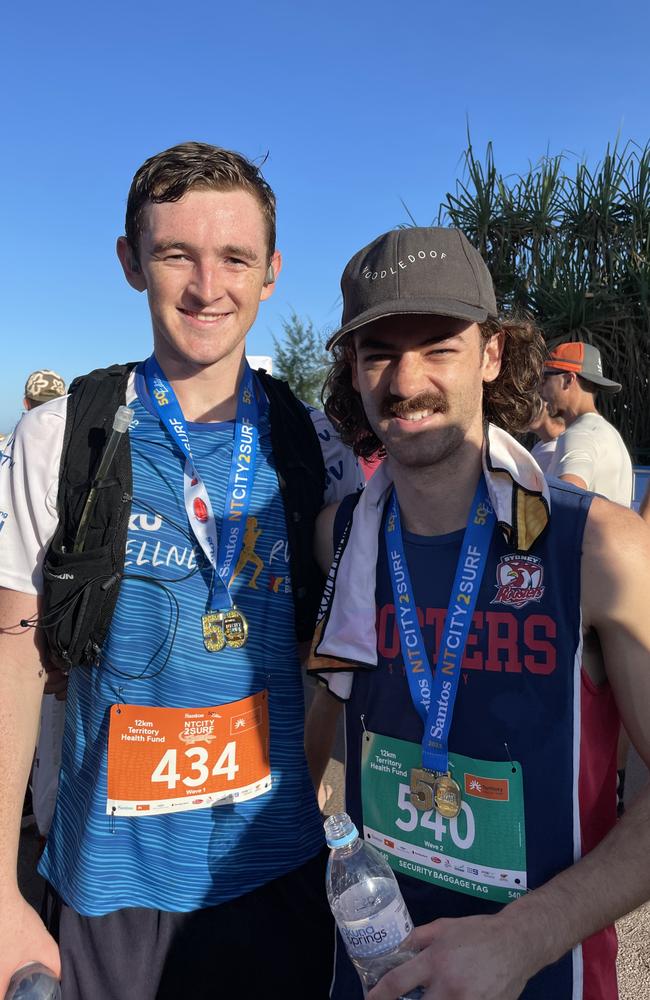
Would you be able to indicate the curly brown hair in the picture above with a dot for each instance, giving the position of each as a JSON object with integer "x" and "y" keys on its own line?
{"x": 169, "y": 175}
{"x": 509, "y": 402}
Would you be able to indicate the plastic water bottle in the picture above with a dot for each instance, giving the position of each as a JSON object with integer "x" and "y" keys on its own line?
{"x": 367, "y": 904}
{"x": 33, "y": 982}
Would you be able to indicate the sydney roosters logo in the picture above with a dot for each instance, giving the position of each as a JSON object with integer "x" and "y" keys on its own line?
{"x": 519, "y": 580}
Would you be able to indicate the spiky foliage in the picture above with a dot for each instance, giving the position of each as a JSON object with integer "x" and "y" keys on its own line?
{"x": 572, "y": 249}
{"x": 301, "y": 359}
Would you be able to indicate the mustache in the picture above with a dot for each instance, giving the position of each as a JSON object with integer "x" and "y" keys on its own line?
{"x": 394, "y": 406}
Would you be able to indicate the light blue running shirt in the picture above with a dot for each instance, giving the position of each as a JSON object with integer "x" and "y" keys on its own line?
{"x": 185, "y": 861}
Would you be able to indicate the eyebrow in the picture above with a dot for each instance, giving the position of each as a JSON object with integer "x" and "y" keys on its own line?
{"x": 164, "y": 245}
{"x": 229, "y": 250}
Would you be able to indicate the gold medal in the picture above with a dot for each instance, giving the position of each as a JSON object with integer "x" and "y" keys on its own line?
{"x": 235, "y": 628}
{"x": 422, "y": 786}
{"x": 446, "y": 795}
{"x": 214, "y": 638}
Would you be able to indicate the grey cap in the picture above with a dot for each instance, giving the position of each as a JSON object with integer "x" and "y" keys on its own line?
{"x": 584, "y": 360}
{"x": 433, "y": 271}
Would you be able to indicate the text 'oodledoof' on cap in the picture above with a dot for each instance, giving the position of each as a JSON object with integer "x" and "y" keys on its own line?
{"x": 432, "y": 271}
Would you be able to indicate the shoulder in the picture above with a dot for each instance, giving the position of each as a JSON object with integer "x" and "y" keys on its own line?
{"x": 44, "y": 421}
{"x": 615, "y": 559}
{"x": 581, "y": 431}
{"x": 342, "y": 472}
{"x": 33, "y": 450}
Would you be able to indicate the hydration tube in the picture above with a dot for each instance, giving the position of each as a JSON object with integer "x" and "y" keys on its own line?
{"x": 121, "y": 423}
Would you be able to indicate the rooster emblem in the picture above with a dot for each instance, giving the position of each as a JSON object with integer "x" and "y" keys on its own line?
{"x": 519, "y": 580}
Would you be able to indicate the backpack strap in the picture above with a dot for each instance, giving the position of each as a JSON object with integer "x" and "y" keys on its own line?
{"x": 301, "y": 476}
{"x": 81, "y": 589}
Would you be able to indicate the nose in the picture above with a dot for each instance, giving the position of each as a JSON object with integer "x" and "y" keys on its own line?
{"x": 206, "y": 284}
{"x": 408, "y": 377}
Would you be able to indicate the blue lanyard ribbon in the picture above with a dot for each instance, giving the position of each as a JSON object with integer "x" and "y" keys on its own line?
{"x": 434, "y": 696}
{"x": 221, "y": 552}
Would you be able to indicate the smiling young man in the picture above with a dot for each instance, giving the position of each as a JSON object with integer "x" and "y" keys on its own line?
{"x": 186, "y": 847}
{"x": 484, "y": 630}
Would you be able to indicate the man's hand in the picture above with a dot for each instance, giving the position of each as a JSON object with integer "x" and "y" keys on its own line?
{"x": 469, "y": 958}
{"x": 24, "y": 939}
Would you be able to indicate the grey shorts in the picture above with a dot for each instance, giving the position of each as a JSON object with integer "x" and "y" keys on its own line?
{"x": 276, "y": 941}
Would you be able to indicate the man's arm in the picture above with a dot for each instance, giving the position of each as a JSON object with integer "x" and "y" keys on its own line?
{"x": 320, "y": 732}
{"x": 22, "y": 935}
{"x": 575, "y": 458}
{"x": 467, "y": 958}
{"x": 575, "y": 481}
{"x": 644, "y": 509}
{"x": 322, "y": 718}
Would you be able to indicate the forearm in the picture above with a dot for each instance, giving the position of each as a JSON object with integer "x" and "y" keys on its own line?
{"x": 21, "y": 686}
{"x": 610, "y": 881}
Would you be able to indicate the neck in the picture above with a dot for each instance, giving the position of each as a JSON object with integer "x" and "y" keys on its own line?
{"x": 436, "y": 499}
{"x": 206, "y": 393}
{"x": 584, "y": 403}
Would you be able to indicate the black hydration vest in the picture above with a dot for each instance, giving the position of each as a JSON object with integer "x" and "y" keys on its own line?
{"x": 81, "y": 588}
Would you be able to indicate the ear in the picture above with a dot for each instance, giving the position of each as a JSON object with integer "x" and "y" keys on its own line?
{"x": 269, "y": 286}
{"x": 492, "y": 355}
{"x": 130, "y": 265}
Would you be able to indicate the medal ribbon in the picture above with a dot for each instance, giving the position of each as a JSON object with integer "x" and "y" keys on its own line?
{"x": 434, "y": 695}
{"x": 222, "y": 553}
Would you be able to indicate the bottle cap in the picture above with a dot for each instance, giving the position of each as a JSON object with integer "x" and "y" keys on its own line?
{"x": 340, "y": 830}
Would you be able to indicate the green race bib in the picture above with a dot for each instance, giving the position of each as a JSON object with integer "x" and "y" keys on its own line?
{"x": 482, "y": 852}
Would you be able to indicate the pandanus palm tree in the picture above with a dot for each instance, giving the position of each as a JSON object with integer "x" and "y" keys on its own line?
{"x": 572, "y": 249}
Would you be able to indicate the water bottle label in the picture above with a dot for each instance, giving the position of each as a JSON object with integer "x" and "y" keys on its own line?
{"x": 379, "y": 934}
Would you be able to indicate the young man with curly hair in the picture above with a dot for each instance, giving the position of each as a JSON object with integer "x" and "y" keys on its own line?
{"x": 484, "y": 630}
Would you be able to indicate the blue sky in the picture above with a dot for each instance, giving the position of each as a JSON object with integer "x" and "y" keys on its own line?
{"x": 358, "y": 106}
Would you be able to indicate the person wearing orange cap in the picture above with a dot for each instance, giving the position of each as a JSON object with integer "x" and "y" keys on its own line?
{"x": 591, "y": 453}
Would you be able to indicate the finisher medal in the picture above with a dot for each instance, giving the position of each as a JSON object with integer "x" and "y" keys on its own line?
{"x": 214, "y": 638}
{"x": 446, "y": 795}
{"x": 422, "y": 786}
{"x": 432, "y": 785}
{"x": 222, "y": 550}
{"x": 235, "y": 628}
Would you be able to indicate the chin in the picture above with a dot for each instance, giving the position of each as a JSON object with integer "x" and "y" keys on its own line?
{"x": 429, "y": 450}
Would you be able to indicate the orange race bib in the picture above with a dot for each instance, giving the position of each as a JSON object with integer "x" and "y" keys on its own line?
{"x": 164, "y": 760}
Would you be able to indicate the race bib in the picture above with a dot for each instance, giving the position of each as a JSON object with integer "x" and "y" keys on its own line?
{"x": 481, "y": 852}
{"x": 163, "y": 760}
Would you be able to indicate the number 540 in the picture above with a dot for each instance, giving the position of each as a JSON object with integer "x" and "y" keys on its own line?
{"x": 438, "y": 825}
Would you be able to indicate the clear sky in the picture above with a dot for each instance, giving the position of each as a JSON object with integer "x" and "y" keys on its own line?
{"x": 358, "y": 105}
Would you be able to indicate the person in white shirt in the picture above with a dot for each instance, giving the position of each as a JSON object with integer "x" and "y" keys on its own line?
{"x": 547, "y": 429}
{"x": 591, "y": 453}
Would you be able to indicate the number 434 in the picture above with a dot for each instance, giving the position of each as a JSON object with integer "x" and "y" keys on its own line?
{"x": 167, "y": 773}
